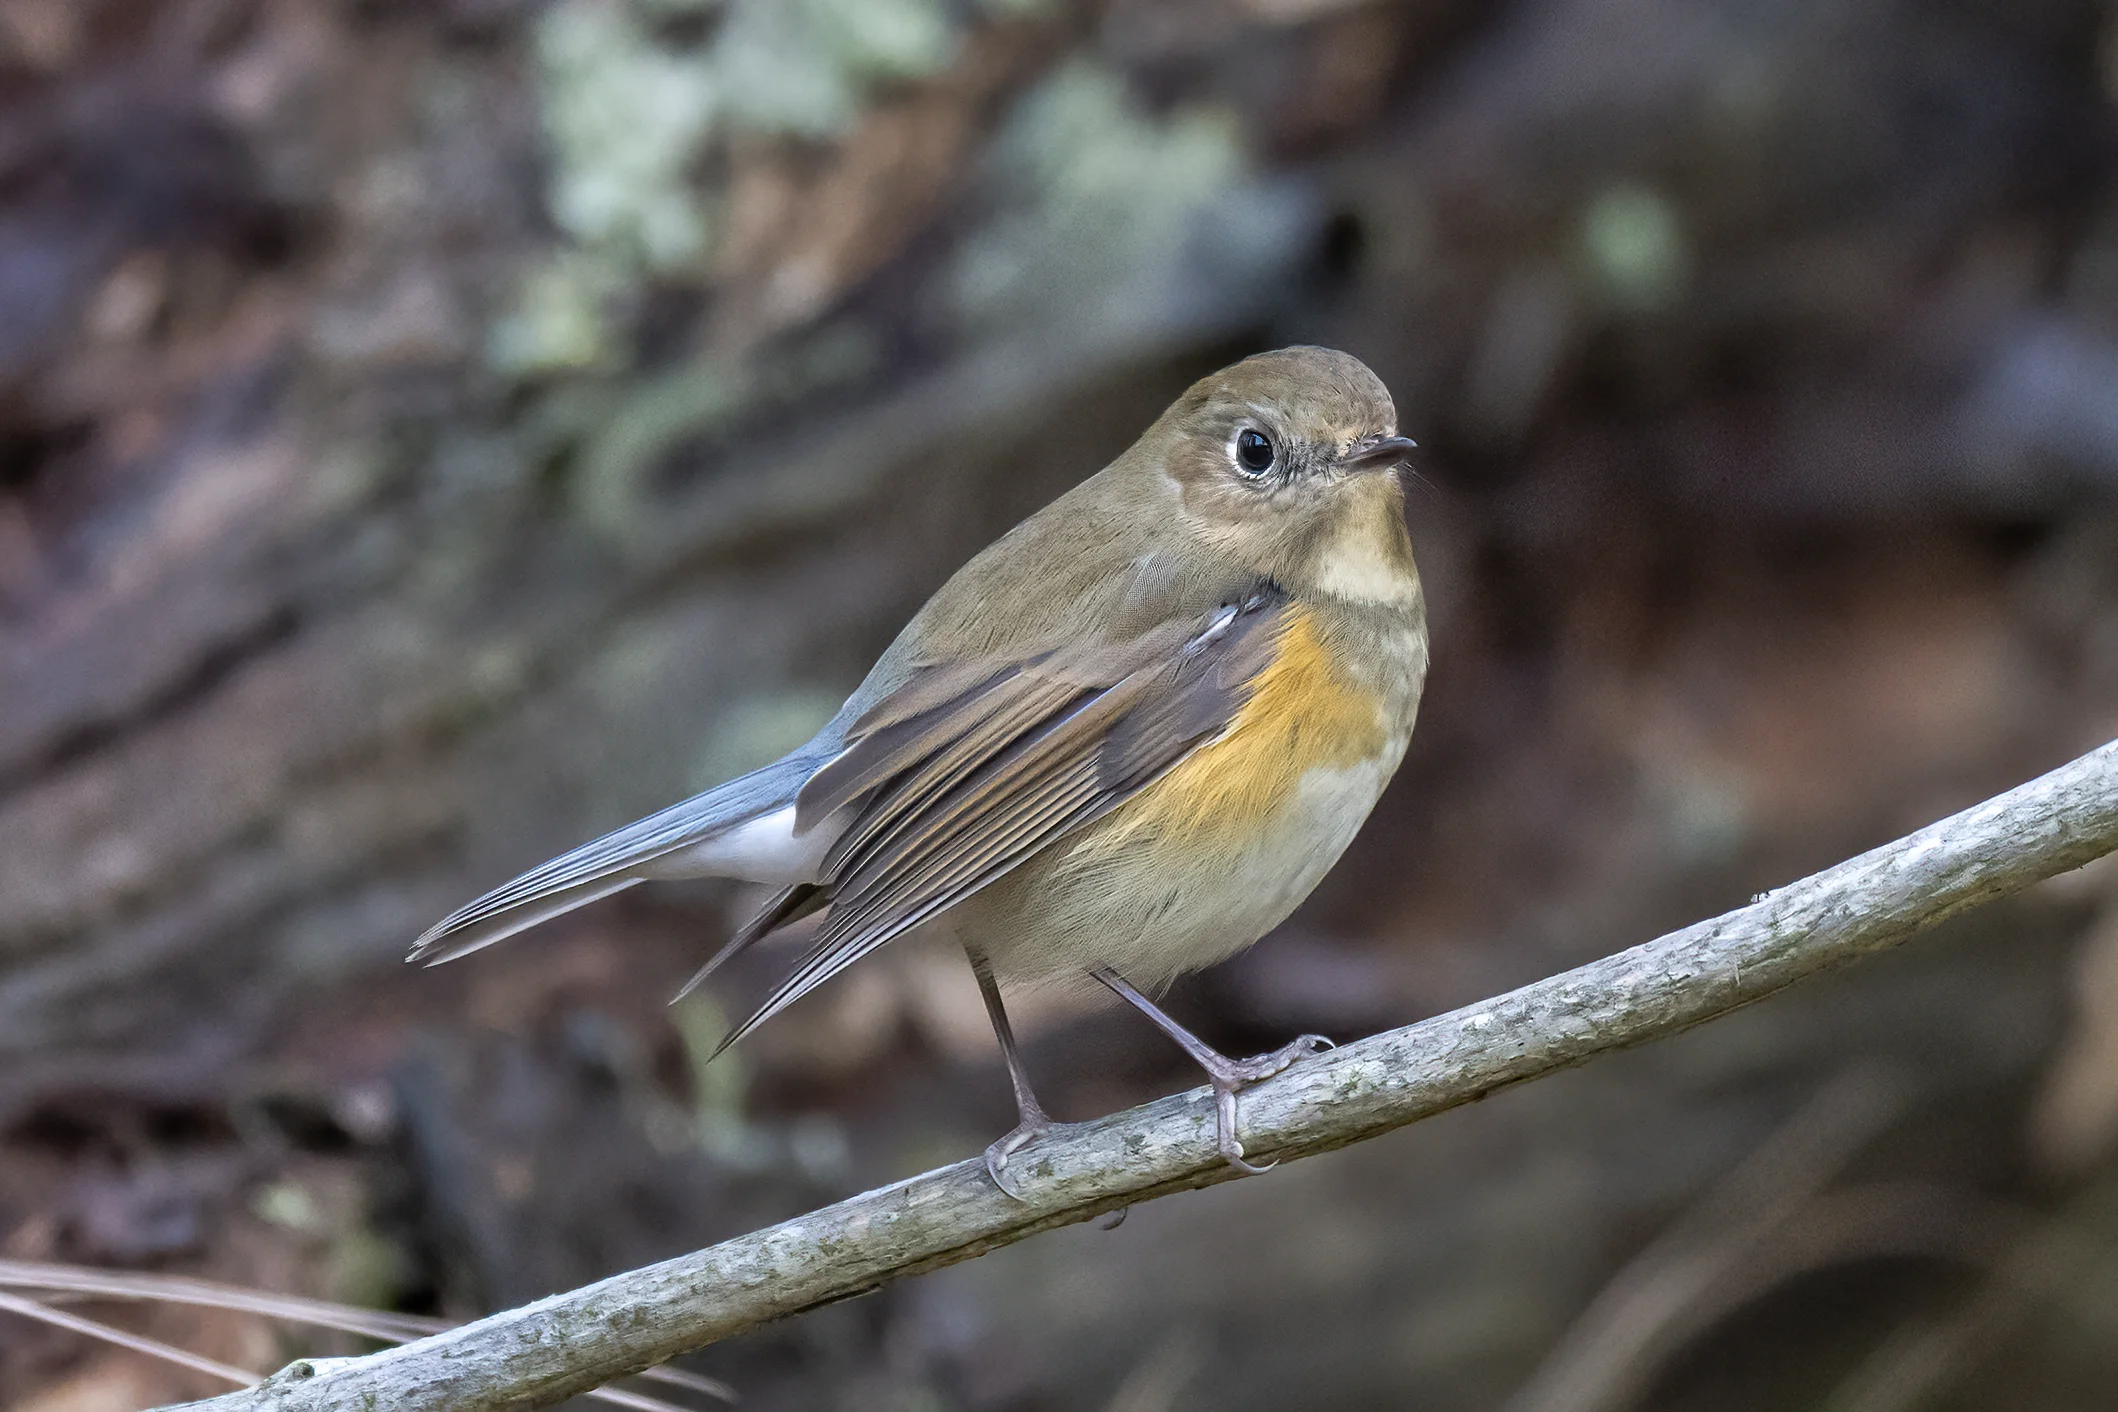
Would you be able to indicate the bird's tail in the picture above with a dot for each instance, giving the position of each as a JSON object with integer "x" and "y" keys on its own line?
{"x": 615, "y": 861}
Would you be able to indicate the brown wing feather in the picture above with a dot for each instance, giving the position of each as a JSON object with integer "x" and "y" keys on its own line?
{"x": 787, "y": 906}
{"x": 921, "y": 759}
{"x": 953, "y": 788}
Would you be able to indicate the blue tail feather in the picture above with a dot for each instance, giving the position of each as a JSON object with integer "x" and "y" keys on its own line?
{"x": 605, "y": 865}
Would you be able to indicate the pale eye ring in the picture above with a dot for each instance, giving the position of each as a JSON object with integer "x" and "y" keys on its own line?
{"x": 1254, "y": 452}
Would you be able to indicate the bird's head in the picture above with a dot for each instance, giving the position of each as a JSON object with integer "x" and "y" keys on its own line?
{"x": 1288, "y": 460}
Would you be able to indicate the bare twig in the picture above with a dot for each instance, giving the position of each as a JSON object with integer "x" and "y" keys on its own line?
{"x": 543, "y": 1352}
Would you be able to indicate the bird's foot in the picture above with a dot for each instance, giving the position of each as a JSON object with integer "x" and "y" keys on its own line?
{"x": 997, "y": 1156}
{"x": 1230, "y": 1076}
{"x": 1263, "y": 1066}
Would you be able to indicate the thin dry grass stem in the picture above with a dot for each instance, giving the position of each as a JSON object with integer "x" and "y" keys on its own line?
{"x": 1653, "y": 1304}
{"x": 86, "y": 1280}
{"x": 1925, "y": 1357}
{"x": 123, "y": 1338}
{"x": 1769, "y": 1222}
{"x": 79, "y": 1282}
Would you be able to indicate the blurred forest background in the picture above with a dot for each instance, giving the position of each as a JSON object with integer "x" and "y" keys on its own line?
{"x": 434, "y": 431}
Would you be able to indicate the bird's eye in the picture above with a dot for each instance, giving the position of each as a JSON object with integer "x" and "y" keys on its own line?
{"x": 1253, "y": 451}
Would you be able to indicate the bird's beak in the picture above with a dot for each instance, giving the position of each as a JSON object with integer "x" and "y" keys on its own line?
{"x": 1383, "y": 454}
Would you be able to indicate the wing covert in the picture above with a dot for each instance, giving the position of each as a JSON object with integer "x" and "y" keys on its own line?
{"x": 969, "y": 769}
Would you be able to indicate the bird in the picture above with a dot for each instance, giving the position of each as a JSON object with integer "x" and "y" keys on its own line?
{"x": 1119, "y": 745}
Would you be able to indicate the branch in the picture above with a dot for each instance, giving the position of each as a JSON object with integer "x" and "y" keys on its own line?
{"x": 568, "y": 1343}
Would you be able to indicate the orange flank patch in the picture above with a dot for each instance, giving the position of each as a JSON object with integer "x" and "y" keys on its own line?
{"x": 1302, "y": 715}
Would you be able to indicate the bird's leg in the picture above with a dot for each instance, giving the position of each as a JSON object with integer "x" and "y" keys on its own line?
{"x": 1035, "y": 1121}
{"x": 1228, "y": 1076}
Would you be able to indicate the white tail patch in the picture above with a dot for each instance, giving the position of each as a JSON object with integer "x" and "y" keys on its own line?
{"x": 765, "y": 850}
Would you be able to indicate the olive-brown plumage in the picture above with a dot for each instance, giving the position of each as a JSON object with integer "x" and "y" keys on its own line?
{"x": 1122, "y": 742}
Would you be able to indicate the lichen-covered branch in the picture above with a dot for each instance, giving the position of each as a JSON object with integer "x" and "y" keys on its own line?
{"x": 543, "y": 1352}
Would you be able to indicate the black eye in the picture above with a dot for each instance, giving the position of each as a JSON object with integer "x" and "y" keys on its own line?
{"x": 1253, "y": 451}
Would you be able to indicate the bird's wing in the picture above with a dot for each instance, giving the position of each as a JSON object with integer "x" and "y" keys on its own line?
{"x": 968, "y": 769}
{"x": 608, "y": 864}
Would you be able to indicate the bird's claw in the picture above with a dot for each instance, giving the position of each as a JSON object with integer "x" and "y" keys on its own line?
{"x": 1224, "y": 1105}
{"x": 996, "y": 1156}
{"x": 1240, "y": 1074}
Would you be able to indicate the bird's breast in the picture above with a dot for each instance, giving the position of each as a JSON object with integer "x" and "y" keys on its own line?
{"x": 1309, "y": 717}
{"x": 1216, "y": 852}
